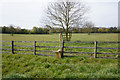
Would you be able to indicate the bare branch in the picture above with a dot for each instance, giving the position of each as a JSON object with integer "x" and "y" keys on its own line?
{"x": 65, "y": 14}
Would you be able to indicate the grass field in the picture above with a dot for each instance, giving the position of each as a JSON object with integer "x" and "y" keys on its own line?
{"x": 32, "y": 66}
{"x": 55, "y": 37}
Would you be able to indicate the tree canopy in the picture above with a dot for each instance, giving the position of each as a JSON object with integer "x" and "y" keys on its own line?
{"x": 65, "y": 14}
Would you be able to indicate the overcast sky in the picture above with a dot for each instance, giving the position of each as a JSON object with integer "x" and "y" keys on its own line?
{"x": 28, "y": 13}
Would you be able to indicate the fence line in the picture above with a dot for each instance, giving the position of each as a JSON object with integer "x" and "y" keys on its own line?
{"x": 106, "y": 48}
{"x": 80, "y": 52}
{"x": 62, "y": 46}
{"x": 79, "y": 47}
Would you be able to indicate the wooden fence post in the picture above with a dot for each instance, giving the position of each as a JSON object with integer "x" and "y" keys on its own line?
{"x": 61, "y": 45}
{"x": 34, "y": 47}
{"x": 62, "y": 49}
{"x": 12, "y": 43}
{"x": 95, "y": 49}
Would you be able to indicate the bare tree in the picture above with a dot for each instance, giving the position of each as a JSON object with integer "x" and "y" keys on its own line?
{"x": 65, "y": 14}
{"x": 88, "y": 25}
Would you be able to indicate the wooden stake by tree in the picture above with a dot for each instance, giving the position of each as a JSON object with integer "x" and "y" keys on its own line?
{"x": 95, "y": 49}
{"x": 61, "y": 45}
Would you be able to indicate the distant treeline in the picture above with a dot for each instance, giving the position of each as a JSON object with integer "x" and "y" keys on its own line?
{"x": 39, "y": 30}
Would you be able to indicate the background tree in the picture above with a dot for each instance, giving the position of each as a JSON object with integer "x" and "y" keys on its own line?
{"x": 4, "y": 29}
{"x": 34, "y": 30}
{"x": 89, "y": 26}
{"x": 18, "y": 30}
{"x": 12, "y": 30}
{"x": 40, "y": 30}
{"x": 66, "y": 15}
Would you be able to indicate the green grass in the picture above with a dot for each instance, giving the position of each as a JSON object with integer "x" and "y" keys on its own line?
{"x": 55, "y": 37}
{"x": 31, "y": 66}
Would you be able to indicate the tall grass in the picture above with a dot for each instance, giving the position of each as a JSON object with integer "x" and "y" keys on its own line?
{"x": 31, "y": 66}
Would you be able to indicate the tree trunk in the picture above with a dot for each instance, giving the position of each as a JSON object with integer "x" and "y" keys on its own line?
{"x": 11, "y": 34}
{"x": 67, "y": 32}
{"x": 88, "y": 33}
{"x": 66, "y": 36}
